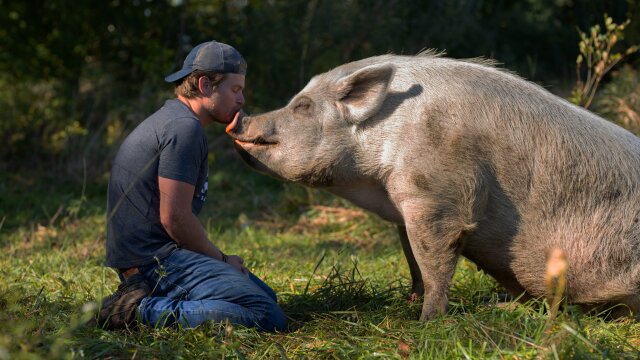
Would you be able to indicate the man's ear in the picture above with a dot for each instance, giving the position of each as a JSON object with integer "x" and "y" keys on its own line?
{"x": 204, "y": 85}
{"x": 361, "y": 94}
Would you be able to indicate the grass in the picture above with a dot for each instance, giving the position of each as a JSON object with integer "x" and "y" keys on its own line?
{"x": 339, "y": 272}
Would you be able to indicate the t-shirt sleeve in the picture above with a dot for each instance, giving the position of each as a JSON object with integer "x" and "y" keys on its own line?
{"x": 183, "y": 147}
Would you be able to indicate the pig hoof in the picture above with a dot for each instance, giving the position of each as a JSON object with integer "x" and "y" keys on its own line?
{"x": 433, "y": 307}
{"x": 428, "y": 315}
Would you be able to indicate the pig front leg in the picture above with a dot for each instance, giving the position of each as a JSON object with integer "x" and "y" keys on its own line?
{"x": 434, "y": 240}
{"x": 417, "y": 287}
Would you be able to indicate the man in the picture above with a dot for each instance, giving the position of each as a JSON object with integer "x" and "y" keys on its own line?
{"x": 170, "y": 271}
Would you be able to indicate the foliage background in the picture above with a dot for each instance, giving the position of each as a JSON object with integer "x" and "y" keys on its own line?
{"x": 76, "y": 76}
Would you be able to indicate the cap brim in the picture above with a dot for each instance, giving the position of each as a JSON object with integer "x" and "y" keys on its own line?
{"x": 177, "y": 75}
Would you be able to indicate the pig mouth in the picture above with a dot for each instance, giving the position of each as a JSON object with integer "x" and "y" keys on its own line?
{"x": 238, "y": 139}
{"x": 257, "y": 141}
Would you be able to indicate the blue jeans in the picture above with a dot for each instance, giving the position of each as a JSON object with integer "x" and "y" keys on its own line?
{"x": 191, "y": 288}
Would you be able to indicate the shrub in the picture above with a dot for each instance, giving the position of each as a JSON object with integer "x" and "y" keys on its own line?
{"x": 619, "y": 99}
{"x": 597, "y": 57}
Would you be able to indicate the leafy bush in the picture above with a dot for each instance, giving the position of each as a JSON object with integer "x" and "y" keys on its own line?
{"x": 40, "y": 120}
{"x": 619, "y": 99}
{"x": 598, "y": 57}
{"x": 75, "y": 77}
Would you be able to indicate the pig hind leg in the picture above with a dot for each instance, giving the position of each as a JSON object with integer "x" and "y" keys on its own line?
{"x": 629, "y": 306}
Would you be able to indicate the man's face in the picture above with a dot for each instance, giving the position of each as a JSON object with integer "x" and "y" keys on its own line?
{"x": 226, "y": 99}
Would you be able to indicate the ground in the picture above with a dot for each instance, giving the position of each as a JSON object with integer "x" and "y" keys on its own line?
{"x": 339, "y": 272}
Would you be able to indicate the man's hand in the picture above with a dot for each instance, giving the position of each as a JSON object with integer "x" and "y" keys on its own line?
{"x": 237, "y": 262}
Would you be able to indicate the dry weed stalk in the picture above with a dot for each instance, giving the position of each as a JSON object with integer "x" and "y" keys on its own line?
{"x": 556, "y": 280}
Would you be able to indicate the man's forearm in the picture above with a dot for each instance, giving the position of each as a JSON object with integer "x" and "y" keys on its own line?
{"x": 190, "y": 235}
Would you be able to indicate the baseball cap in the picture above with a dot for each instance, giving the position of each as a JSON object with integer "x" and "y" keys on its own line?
{"x": 211, "y": 56}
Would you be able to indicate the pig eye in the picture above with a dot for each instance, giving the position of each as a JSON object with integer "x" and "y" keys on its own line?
{"x": 303, "y": 106}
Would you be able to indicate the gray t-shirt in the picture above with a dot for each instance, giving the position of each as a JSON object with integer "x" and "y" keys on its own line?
{"x": 170, "y": 143}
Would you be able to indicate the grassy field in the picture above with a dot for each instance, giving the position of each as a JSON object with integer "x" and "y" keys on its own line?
{"x": 339, "y": 272}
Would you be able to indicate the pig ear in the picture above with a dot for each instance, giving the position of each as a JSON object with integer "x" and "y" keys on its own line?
{"x": 361, "y": 94}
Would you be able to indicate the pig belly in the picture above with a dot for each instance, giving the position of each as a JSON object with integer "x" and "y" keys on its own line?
{"x": 493, "y": 257}
{"x": 601, "y": 261}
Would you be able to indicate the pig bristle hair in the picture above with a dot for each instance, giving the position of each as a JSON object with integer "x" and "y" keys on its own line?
{"x": 431, "y": 52}
{"x": 484, "y": 61}
{"x": 492, "y": 63}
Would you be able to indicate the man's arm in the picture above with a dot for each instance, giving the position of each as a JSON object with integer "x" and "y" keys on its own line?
{"x": 182, "y": 225}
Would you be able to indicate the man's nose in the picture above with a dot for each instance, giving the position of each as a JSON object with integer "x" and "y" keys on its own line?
{"x": 240, "y": 99}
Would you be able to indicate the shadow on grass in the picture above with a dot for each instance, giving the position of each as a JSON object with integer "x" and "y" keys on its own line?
{"x": 341, "y": 293}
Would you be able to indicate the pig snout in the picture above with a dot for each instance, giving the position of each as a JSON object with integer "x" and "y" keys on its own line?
{"x": 252, "y": 131}
{"x": 233, "y": 125}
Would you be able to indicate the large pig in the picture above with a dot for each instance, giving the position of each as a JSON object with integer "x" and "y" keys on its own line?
{"x": 468, "y": 160}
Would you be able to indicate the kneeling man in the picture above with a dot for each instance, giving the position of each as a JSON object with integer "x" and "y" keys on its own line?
{"x": 170, "y": 271}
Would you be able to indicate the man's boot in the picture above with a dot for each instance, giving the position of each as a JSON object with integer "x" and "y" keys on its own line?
{"x": 118, "y": 310}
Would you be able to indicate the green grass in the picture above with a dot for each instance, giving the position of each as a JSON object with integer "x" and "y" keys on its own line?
{"x": 339, "y": 272}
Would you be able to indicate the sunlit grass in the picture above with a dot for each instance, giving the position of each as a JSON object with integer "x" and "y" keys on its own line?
{"x": 339, "y": 272}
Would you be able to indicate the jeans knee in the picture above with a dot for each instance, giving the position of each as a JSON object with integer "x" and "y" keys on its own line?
{"x": 273, "y": 319}
{"x": 280, "y": 322}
